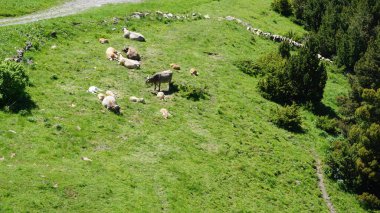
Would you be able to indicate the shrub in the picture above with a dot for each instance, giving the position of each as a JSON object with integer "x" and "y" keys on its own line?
{"x": 192, "y": 90}
{"x": 13, "y": 80}
{"x": 271, "y": 63}
{"x": 282, "y": 6}
{"x": 369, "y": 201}
{"x": 284, "y": 49}
{"x": 248, "y": 67}
{"x": 301, "y": 78}
{"x": 355, "y": 161}
{"x": 287, "y": 117}
{"x": 327, "y": 124}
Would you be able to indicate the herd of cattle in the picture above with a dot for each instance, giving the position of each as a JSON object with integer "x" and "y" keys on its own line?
{"x": 132, "y": 61}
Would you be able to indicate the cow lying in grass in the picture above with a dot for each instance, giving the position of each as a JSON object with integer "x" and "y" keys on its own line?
{"x": 133, "y": 35}
{"x": 128, "y": 63}
{"x": 111, "y": 53}
{"x": 160, "y": 77}
{"x": 132, "y": 53}
{"x": 110, "y": 103}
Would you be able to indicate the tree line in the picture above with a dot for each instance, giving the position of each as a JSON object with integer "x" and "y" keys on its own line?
{"x": 348, "y": 31}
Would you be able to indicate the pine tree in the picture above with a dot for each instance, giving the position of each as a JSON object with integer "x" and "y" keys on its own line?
{"x": 308, "y": 77}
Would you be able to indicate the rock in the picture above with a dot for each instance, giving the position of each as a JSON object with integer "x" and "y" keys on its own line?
{"x": 133, "y": 99}
{"x": 135, "y": 16}
{"x": 230, "y": 18}
{"x": 86, "y": 159}
{"x": 93, "y": 89}
{"x": 115, "y": 20}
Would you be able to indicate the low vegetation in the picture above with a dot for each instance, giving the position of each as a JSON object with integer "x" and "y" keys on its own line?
{"x": 302, "y": 78}
{"x": 10, "y": 8}
{"x": 288, "y": 118}
{"x": 348, "y": 31}
{"x": 218, "y": 151}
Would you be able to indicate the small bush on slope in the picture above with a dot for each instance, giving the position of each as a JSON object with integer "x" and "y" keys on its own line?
{"x": 288, "y": 118}
{"x": 13, "y": 81}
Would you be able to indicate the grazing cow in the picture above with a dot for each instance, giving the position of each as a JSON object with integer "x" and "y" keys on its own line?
{"x": 133, "y": 35}
{"x": 111, "y": 53}
{"x": 132, "y": 53}
{"x": 160, "y": 77}
{"x": 110, "y": 103}
{"x": 129, "y": 63}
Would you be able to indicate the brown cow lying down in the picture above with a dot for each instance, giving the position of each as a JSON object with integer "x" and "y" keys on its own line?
{"x": 110, "y": 103}
{"x": 111, "y": 53}
{"x": 129, "y": 63}
{"x": 132, "y": 53}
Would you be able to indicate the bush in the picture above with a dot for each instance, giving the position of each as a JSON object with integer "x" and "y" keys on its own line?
{"x": 301, "y": 78}
{"x": 271, "y": 63}
{"x": 369, "y": 201}
{"x": 288, "y": 117}
{"x": 282, "y": 6}
{"x": 327, "y": 124}
{"x": 13, "y": 81}
{"x": 248, "y": 67}
{"x": 284, "y": 49}
{"x": 192, "y": 91}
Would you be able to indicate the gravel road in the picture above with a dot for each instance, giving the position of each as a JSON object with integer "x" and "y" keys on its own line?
{"x": 66, "y": 9}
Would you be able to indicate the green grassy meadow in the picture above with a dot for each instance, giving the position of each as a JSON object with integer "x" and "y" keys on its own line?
{"x": 11, "y": 8}
{"x": 221, "y": 154}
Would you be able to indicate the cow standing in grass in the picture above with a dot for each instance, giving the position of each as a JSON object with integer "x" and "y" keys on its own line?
{"x": 160, "y": 77}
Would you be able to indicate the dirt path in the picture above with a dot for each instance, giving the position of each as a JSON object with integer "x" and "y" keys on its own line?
{"x": 66, "y": 9}
{"x": 322, "y": 186}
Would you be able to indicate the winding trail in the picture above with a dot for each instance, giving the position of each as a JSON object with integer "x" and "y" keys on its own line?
{"x": 65, "y": 9}
{"x": 322, "y": 186}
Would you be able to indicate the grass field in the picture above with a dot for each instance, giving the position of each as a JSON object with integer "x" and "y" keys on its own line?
{"x": 11, "y": 8}
{"x": 221, "y": 154}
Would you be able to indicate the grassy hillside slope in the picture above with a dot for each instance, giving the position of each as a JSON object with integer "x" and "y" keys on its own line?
{"x": 10, "y": 8}
{"x": 216, "y": 155}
